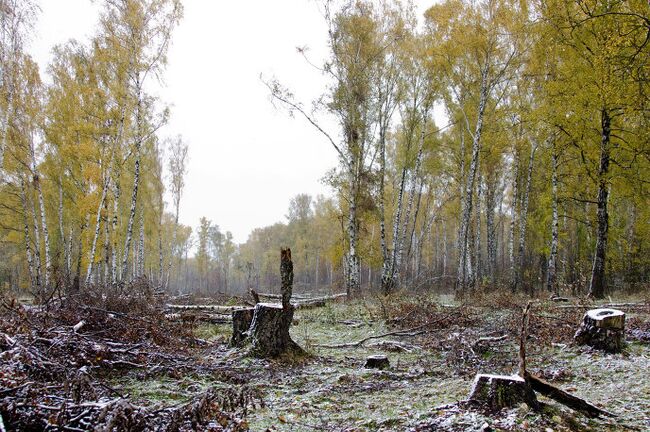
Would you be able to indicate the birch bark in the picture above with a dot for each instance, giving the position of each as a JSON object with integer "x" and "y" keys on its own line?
{"x": 467, "y": 201}
{"x": 597, "y": 282}
{"x": 551, "y": 279}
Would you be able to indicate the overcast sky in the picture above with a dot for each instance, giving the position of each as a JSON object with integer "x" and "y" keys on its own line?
{"x": 247, "y": 158}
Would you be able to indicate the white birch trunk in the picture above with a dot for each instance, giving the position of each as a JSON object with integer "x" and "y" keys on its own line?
{"x": 62, "y": 232}
{"x": 464, "y": 259}
{"x": 37, "y": 244}
{"x": 513, "y": 218}
{"x": 34, "y": 282}
{"x": 106, "y": 273}
{"x": 478, "y": 271}
{"x": 551, "y": 279}
{"x": 141, "y": 246}
{"x": 354, "y": 269}
{"x": 98, "y": 220}
{"x": 385, "y": 268}
{"x": 409, "y": 206}
{"x": 46, "y": 235}
{"x": 490, "y": 204}
{"x": 116, "y": 201}
{"x": 174, "y": 235}
{"x": 136, "y": 182}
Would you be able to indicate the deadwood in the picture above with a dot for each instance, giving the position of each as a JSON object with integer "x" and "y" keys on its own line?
{"x": 567, "y": 399}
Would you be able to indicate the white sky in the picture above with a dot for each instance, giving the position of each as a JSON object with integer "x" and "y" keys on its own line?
{"x": 247, "y": 158}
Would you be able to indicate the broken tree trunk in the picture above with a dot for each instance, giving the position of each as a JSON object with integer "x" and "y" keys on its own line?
{"x": 269, "y": 330}
{"x": 603, "y": 329}
{"x": 549, "y": 390}
{"x": 569, "y": 400}
{"x": 241, "y": 322}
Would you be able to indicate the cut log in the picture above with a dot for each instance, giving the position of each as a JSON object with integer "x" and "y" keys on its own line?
{"x": 279, "y": 296}
{"x": 215, "y": 308}
{"x": 603, "y": 329}
{"x": 299, "y": 304}
{"x": 241, "y": 322}
{"x": 199, "y": 317}
{"x": 317, "y": 301}
{"x": 559, "y": 395}
{"x": 377, "y": 362}
{"x": 78, "y": 326}
{"x": 269, "y": 331}
{"x": 502, "y": 391}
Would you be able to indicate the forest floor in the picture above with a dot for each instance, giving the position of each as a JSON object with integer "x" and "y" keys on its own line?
{"x": 188, "y": 378}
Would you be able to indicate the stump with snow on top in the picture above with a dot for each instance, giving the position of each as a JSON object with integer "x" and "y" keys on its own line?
{"x": 603, "y": 329}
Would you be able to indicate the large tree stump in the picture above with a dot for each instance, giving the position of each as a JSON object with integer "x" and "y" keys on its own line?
{"x": 502, "y": 391}
{"x": 269, "y": 331}
{"x": 241, "y": 322}
{"x": 603, "y": 329}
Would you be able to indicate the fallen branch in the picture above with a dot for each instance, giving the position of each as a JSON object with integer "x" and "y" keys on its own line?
{"x": 567, "y": 399}
{"x": 414, "y": 331}
{"x": 200, "y": 317}
{"x": 546, "y": 388}
{"x": 279, "y": 296}
{"x": 318, "y": 301}
{"x": 488, "y": 340}
{"x": 607, "y": 305}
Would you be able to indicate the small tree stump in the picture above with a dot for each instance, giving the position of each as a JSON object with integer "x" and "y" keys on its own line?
{"x": 603, "y": 329}
{"x": 269, "y": 331}
{"x": 377, "y": 362}
{"x": 241, "y": 322}
{"x": 502, "y": 391}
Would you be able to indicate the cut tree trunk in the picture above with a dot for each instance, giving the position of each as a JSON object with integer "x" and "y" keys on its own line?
{"x": 603, "y": 329}
{"x": 502, "y": 391}
{"x": 269, "y": 330}
{"x": 241, "y": 322}
{"x": 377, "y": 362}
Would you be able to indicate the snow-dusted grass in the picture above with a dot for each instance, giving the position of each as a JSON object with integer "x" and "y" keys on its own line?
{"x": 330, "y": 389}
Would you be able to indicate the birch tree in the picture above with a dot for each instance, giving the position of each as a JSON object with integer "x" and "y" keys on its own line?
{"x": 473, "y": 69}
{"x": 140, "y": 31}
{"x": 177, "y": 171}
